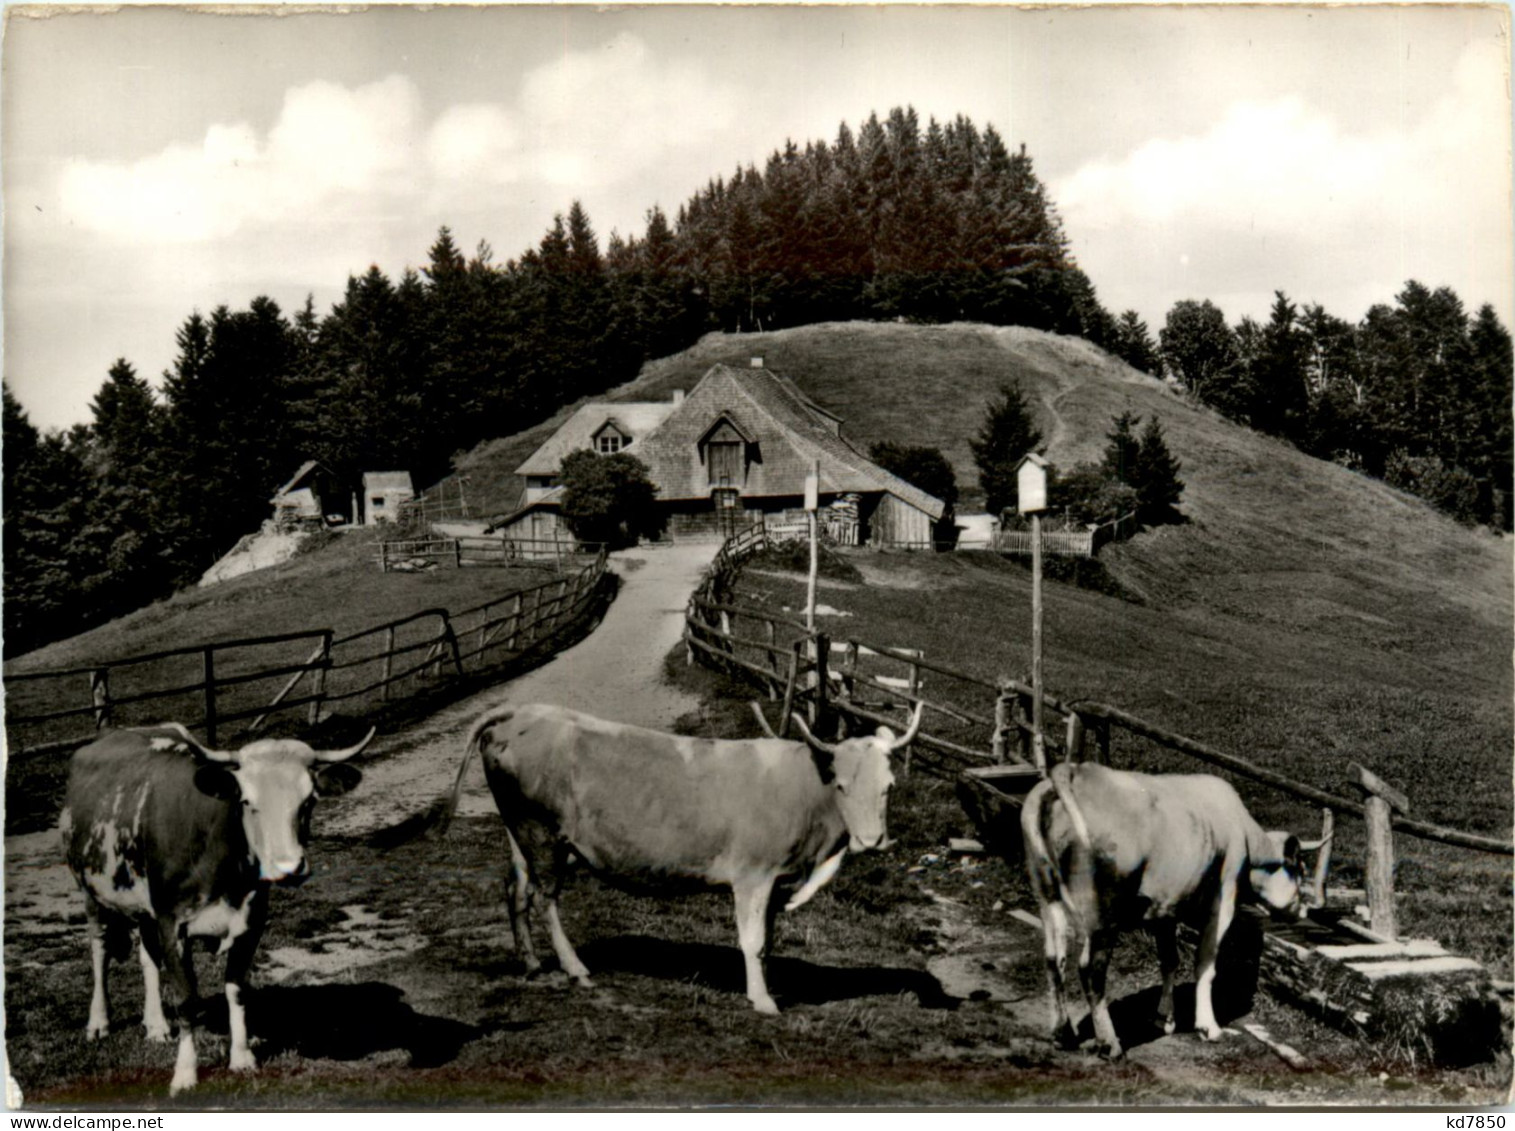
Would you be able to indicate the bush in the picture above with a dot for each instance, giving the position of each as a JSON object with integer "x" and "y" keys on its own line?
{"x": 923, "y": 467}
{"x": 1450, "y": 489}
{"x": 1088, "y": 495}
{"x": 609, "y": 499}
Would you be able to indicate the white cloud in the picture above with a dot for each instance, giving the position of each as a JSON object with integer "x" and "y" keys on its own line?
{"x": 1277, "y": 189}
{"x": 328, "y": 142}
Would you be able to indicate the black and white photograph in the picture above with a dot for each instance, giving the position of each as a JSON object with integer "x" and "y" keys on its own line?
{"x": 892, "y": 558}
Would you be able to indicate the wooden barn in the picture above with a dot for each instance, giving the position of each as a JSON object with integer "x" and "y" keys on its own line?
{"x": 735, "y": 449}
{"x": 313, "y": 498}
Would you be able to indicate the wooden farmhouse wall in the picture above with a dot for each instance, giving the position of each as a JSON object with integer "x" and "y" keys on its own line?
{"x": 895, "y": 522}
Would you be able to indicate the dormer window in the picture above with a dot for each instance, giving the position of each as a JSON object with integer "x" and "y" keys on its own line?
{"x": 725, "y": 454}
{"x": 609, "y": 439}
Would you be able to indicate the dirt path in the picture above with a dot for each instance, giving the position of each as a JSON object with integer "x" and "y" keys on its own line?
{"x": 615, "y": 671}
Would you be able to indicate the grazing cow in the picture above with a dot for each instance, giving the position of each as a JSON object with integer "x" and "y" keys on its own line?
{"x": 178, "y": 841}
{"x": 668, "y": 811}
{"x": 1108, "y": 850}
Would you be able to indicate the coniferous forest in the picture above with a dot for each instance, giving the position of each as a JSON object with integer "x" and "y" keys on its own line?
{"x": 897, "y": 220}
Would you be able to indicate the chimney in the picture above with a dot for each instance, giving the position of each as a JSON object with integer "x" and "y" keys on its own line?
{"x": 757, "y": 363}
{"x": 678, "y": 396}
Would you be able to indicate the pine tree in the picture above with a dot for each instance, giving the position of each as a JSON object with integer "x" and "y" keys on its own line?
{"x": 1121, "y": 460}
{"x": 1133, "y": 344}
{"x": 1007, "y": 435}
{"x": 1155, "y": 477}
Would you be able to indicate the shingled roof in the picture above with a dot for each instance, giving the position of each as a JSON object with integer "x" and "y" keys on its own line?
{"x": 788, "y": 434}
{"x": 632, "y": 418}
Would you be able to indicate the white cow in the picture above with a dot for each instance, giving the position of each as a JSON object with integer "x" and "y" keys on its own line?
{"x": 658, "y": 808}
{"x": 1109, "y": 850}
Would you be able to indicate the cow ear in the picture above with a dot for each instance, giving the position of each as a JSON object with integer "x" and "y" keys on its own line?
{"x": 336, "y": 779}
{"x": 1292, "y": 851}
{"x": 217, "y": 781}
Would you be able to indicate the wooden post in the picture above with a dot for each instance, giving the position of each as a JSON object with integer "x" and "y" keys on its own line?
{"x": 457, "y": 553}
{"x": 1023, "y": 724}
{"x": 794, "y": 678}
{"x": 323, "y": 664}
{"x": 210, "y": 696}
{"x": 452, "y": 643}
{"x": 99, "y": 694}
{"x": 1073, "y": 745}
{"x": 389, "y": 661}
{"x": 1001, "y": 724}
{"x": 822, "y": 644}
{"x": 1038, "y": 741}
{"x": 1323, "y": 860}
{"x": 383, "y": 557}
{"x": 915, "y": 690}
{"x": 1382, "y": 800}
{"x": 515, "y": 624}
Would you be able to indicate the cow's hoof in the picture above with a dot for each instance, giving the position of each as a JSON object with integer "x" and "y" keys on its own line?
{"x": 242, "y": 1060}
{"x": 182, "y": 1082}
{"x": 156, "y": 1031}
{"x": 96, "y": 1032}
{"x": 1170, "y": 1026}
{"x": 582, "y": 981}
{"x": 765, "y": 1005}
{"x": 1211, "y": 1033}
{"x": 1110, "y": 1052}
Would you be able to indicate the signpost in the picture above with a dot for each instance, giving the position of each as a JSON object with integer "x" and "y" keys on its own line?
{"x": 1031, "y": 492}
{"x": 812, "y": 505}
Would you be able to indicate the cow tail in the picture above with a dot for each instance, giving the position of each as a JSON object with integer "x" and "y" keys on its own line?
{"x": 1039, "y": 862}
{"x": 434, "y": 821}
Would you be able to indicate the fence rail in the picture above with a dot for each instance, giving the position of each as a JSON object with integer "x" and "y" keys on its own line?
{"x": 786, "y": 659}
{"x": 481, "y": 550}
{"x": 211, "y": 686}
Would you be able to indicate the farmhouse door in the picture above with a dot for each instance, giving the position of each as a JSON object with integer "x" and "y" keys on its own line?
{"x": 728, "y": 511}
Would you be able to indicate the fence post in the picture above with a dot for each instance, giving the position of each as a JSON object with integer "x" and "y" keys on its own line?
{"x": 1073, "y": 745}
{"x": 452, "y": 643}
{"x": 389, "y": 661}
{"x": 1323, "y": 860}
{"x": 822, "y": 644}
{"x": 1023, "y": 724}
{"x": 323, "y": 664}
{"x": 383, "y": 556}
{"x": 457, "y": 553}
{"x": 210, "y": 695}
{"x": 99, "y": 694}
{"x": 1001, "y": 722}
{"x": 515, "y": 623}
{"x": 915, "y": 690}
{"x": 794, "y": 678}
{"x": 1382, "y": 800}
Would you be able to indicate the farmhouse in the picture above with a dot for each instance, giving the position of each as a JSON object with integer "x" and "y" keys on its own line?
{"x": 737, "y": 448}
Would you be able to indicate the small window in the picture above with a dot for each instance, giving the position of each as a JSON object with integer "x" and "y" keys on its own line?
{"x": 610, "y": 443}
{"x": 376, "y": 501}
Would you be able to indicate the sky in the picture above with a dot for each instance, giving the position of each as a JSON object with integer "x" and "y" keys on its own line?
{"x": 158, "y": 161}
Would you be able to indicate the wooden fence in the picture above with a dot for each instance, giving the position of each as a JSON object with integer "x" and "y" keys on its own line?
{"x": 212, "y": 686}
{"x": 482, "y": 550}
{"x": 1070, "y": 543}
{"x": 969, "y": 720}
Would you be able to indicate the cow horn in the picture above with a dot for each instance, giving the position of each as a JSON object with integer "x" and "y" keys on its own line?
{"x": 1316, "y": 845}
{"x": 762, "y": 720}
{"x": 343, "y": 755}
{"x": 915, "y": 725}
{"x": 203, "y": 752}
{"x": 825, "y": 748}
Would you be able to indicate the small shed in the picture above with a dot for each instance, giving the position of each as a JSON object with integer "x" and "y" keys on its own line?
{"x": 310, "y": 500}
{"x": 383, "y": 493}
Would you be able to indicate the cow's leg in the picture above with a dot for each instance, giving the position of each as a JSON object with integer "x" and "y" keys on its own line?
{"x": 1056, "y": 935}
{"x": 568, "y": 958}
{"x": 238, "y": 963}
{"x": 1165, "y": 931}
{"x": 1204, "y": 962}
{"x": 752, "y": 899}
{"x": 152, "y": 994}
{"x": 99, "y": 964}
{"x": 1094, "y": 961}
{"x": 161, "y": 937}
{"x": 520, "y": 889}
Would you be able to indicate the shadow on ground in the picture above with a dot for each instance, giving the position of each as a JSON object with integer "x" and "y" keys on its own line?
{"x": 348, "y": 1022}
{"x": 792, "y": 981}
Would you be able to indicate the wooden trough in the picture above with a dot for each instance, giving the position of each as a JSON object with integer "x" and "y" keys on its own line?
{"x": 1410, "y": 997}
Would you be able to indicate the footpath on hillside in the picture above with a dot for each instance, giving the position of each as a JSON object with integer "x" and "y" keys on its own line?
{"x": 614, "y": 672}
